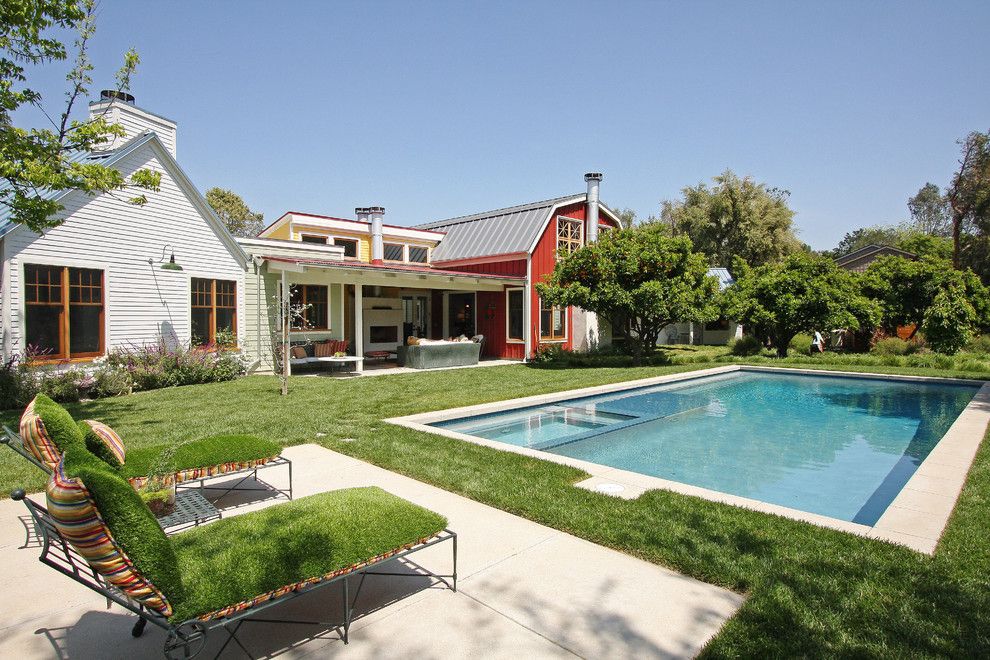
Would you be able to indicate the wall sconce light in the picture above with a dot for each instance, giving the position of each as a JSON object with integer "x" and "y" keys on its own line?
{"x": 170, "y": 264}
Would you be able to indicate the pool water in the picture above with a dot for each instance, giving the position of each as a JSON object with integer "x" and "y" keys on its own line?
{"x": 834, "y": 445}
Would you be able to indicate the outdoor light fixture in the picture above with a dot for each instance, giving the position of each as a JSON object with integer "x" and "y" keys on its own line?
{"x": 170, "y": 264}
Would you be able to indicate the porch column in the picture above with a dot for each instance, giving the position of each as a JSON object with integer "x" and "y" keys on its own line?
{"x": 359, "y": 324}
{"x": 284, "y": 322}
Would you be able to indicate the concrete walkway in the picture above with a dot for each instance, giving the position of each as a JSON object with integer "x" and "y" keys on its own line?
{"x": 525, "y": 590}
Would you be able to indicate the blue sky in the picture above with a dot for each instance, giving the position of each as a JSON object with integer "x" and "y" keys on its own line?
{"x": 436, "y": 109}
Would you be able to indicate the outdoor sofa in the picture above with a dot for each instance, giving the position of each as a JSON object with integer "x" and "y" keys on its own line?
{"x": 99, "y": 532}
{"x": 189, "y": 463}
{"x": 436, "y": 354}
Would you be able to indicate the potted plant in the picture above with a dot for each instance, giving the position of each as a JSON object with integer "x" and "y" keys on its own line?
{"x": 340, "y": 354}
{"x": 159, "y": 496}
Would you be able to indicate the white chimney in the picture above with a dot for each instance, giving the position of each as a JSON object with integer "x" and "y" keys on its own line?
{"x": 377, "y": 243}
{"x": 594, "y": 180}
{"x": 361, "y": 213}
{"x": 118, "y": 108}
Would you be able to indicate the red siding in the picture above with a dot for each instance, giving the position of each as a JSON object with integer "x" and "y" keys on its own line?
{"x": 492, "y": 324}
{"x": 543, "y": 260}
{"x": 515, "y": 268}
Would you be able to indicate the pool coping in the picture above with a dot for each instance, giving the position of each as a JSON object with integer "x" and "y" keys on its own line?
{"x": 916, "y": 518}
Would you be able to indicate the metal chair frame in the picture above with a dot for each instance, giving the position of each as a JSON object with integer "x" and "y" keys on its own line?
{"x": 188, "y": 638}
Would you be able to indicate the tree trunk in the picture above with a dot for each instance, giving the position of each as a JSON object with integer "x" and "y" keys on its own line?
{"x": 957, "y": 219}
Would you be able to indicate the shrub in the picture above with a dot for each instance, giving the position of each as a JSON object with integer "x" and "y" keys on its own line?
{"x": 745, "y": 346}
{"x": 801, "y": 344}
{"x": 159, "y": 365}
{"x": 18, "y": 384}
{"x": 892, "y": 346}
{"x": 61, "y": 386}
{"x": 979, "y": 345}
{"x": 111, "y": 381}
{"x": 949, "y": 321}
{"x": 548, "y": 355}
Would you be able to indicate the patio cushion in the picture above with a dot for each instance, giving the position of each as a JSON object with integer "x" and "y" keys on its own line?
{"x": 105, "y": 521}
{"x": 201, "y": 458}
{"x": 47, "y": 430}
{"x": 323, "y": 349}
{"x": 103, "y": 442}
{"x": 238, "y": 562}
{"x": 298, "y": 352}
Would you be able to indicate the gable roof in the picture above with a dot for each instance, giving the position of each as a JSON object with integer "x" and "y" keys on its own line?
{"x": 511, "y": 230}
{"x": 873, "y": 249}
{"x": 725, "y": 279}
{"x": 110, "y": 158}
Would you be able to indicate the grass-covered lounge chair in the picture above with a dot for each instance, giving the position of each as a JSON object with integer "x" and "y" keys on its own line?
{"x": 45, "y": 427}
{"x": 98, "y": 531}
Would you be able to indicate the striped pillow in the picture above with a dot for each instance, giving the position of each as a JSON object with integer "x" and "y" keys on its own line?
{"x": 104, "y": 442}
{"x": 47, "y": 429}
{"x": 76, "y": 517}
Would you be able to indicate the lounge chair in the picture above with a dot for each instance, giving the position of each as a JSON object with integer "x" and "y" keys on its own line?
{"x": 97, "y": 531}
{"x": 190, "y": 463}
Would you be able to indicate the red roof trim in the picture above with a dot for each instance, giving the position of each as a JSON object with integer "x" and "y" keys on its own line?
{"x": 426, "y": 270}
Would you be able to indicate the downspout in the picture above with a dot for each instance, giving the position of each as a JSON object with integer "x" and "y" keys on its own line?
{"x": 528, "y": 310}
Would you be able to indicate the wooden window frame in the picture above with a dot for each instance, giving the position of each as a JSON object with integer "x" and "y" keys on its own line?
{"x": 403, "y": 246}
{"x": 304, "y": 295}
{"x": 553, "y": 339}
{"x": 64, "y": 321}
{"x": 213, "y": 309}
{"x": 567, "y": 245}
{"x": 508, "y": 333}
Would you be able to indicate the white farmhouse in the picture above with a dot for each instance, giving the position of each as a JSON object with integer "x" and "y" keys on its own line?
{"x": 96, "y": 282}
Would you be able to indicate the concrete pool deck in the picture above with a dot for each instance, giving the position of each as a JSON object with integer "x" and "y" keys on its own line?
{"x": 916, "y": 518}
{"x": 524, "y": 590}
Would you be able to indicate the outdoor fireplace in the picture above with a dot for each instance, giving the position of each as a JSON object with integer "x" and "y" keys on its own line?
{"x": 383, "y": 334}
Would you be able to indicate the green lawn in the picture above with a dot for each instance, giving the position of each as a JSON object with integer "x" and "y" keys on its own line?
{"x": 812, "y": 592}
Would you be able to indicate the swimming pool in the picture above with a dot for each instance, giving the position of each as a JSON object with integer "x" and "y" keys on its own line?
{"x": 837, "y": 446}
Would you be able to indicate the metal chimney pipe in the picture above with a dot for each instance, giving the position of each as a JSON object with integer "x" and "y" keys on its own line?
{"x": 594, "y": 180}
{"x": 362, "y": 213}
{"x": 377, "y": 243}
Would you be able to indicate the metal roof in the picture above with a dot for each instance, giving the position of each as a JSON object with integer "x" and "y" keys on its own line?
{"x": 502, "y": 231}
{"x": 725, "y": 279}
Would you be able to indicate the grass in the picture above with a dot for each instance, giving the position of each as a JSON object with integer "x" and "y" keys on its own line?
{"x": 811, "y": 591}
{"x": 202, "y": 452}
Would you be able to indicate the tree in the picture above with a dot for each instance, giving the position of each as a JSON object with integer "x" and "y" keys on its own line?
{"x": 736, "y": 217}
{"x": 968, "y": 193}
{"x": 36, "y": 162}
{"x": 235, "y": 214}
{"x": 627, "y": 218}
{"x": 640, "y": 280}
{"x": 803, "y": 293}
{"x": 949, "y": 321}
{"x": 930, "y": 211}
{"x": 905, "y": 237}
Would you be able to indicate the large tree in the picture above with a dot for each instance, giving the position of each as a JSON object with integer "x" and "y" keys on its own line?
{"x": 968, "y": 193}
{"x": 735, "y": 217}
{"x": 803, "y": 293}
{"x": 930, "y": 211}
{"x": 35, "y": 162}
{"x": 639, "y": 279}
{"x": 235, "y": 214}
{"x": 906, "y": 237}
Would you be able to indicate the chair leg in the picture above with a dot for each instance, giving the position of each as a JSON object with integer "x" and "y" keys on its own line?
{"x": 138, "y": 628}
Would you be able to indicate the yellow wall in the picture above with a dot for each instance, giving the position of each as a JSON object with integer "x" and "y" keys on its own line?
{"x": 282, "y": 232}
{"x": 364, "y": 243}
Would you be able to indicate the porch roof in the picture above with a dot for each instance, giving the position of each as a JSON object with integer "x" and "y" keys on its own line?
{"x": 436, "y": 276}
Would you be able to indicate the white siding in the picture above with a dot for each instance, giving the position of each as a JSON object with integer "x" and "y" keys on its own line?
{"x": 136, "y": 121}
{"x": 143, "y": 302}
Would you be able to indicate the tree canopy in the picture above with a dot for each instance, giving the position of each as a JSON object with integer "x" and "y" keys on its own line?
{"x": 35, "y": 162}
{"x": 930, "y": 212}
{"x": 968, "y": 194}
{"x": 803, "y": 293}
{"x": 235, "y": 214}
{"x": 639, "y": 279}
{"x": 904, "y": 237}
{"x": 735, "y": 217}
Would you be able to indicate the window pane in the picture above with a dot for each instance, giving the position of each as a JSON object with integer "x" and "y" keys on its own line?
{"x": 42, "y": 284}
{"x": 306, "y": 238}
{"x": 316, "y": 297}
{"x": 545, "y": 323}
{"x": 350, "y": 247}
{"x": 42, "y": 328}
{"x": 202, "y": 292}
{"x": 515, "y": 314}
{"x": 200, "y": 326}
{"x": 393, "y": 252}
{"x": 226, "y": 293}
{"x": 84, "y": 329}
{"x": 226, "y": 319}
{"x": 417, "y": 254}
{"x": 559, "y": 321}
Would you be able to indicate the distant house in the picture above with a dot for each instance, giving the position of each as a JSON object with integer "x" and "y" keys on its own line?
{"x": 859, "y": 260}
{"x": 712, "y": 333}
{"x": 96, "y": 282}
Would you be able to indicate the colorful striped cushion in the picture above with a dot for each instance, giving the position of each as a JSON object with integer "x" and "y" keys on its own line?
{"x": 36, "y": 438}
{"x": 75, "y": 515}
{"x": 110, "y": 447}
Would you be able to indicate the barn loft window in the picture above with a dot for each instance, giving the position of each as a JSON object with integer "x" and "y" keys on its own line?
{"x": 311, "y": 300}
{"x": 553, "y": 322}
{"x": 214, "y": 309}
{"x": 568, "y": 235}
{"x": 63, "y": 314}
{"x": 350, "y": 246}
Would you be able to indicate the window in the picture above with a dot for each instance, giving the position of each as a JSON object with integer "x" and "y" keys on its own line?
{"x": 553, "y": 322}
{"x": 393, "y": 252}
{"x": 514, "y": 314}
{"x": 312, "y": 299}
{"x": 214, "y": 309}
{"x": 418, "y": 255}
{"x": 309, "y": 238}
{"x": 63, "y": 314}
{"x": 350, "y": 247}
{"x": 568, "y": 235}
{"x": 717, "y": 325}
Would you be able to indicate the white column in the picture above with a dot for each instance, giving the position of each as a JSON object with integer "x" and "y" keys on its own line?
{"x": 358, "y": 324}
{"x": 284, "y": 323}
{"x": 691, "y": 333}
{"x": 528, "y": 310}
